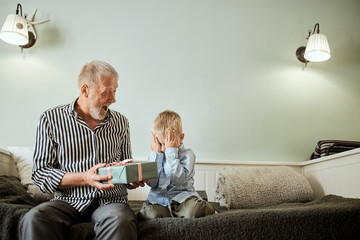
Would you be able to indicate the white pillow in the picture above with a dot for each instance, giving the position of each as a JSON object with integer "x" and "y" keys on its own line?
{"x": 23, "y": 157}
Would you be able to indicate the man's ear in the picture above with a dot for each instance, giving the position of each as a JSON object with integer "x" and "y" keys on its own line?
{"x": 84, "y": 90}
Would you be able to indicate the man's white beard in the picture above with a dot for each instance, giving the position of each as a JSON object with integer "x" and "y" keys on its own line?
{"x": 96, "y": 112}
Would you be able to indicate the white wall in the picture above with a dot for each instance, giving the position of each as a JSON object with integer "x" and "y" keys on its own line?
{"x": 228, "y": 67}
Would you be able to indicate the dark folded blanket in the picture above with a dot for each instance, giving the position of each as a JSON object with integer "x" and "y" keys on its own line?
{"x": 14, "y": 203}
{"x": 329, "y": 147}
{"x": 331, "y": 217}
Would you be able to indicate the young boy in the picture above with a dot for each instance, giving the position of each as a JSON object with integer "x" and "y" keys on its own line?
{"x": 172, "y": 194}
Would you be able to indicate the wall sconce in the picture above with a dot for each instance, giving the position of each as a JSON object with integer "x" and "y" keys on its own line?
{"x": 317, "y": 48}
{"x": 17, "y": 30}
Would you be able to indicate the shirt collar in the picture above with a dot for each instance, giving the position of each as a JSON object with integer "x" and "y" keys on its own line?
{"x": 72, "y": 110}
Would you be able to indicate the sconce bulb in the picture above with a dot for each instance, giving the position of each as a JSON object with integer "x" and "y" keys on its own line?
{"x": 13, "y": 38}
{"x": 317, "y": 56}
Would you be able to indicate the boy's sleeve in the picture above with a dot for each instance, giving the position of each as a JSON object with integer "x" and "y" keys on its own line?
{"x": 178, "y": 171}
{"x": 159, "y": 158}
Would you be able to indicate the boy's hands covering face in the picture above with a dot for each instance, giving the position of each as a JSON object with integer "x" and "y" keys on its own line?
{"x": 155, "y": 144}
{"x": 159, "y": 142}
{"x": 171, "y": 139}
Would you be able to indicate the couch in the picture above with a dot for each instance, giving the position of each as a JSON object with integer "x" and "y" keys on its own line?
{"x": 247, "y": 208}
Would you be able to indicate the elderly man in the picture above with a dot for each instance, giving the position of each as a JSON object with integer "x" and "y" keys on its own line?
{"x": 72, "y": 142}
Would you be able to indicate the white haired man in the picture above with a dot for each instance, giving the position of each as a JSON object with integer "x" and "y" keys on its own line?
{"x": 72, "y": 142}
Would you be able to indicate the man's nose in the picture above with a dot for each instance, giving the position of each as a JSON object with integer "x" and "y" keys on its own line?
{"x": 112, "y": 98}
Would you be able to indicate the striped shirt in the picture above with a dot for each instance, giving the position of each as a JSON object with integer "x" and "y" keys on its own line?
{"x": 65, "y": 143}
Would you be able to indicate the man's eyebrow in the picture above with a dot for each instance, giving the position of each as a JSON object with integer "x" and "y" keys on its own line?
{"x": 109, "y": 89}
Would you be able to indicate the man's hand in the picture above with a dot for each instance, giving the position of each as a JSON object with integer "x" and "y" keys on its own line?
{"x": 155, "y": 144}
{"x": 91, "y": 178}
{"x": 172, "y": 139}
{"x": 88, "y": 178}
{"x": 141, "y": 183}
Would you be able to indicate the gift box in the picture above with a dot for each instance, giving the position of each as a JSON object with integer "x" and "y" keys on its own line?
{"x": 123, "y": 173}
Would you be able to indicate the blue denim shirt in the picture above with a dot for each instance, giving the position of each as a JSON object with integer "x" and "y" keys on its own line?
{"x": 176, "y": 176}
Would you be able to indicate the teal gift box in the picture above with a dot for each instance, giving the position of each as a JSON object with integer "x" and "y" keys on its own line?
{"x": 123, "y": 173}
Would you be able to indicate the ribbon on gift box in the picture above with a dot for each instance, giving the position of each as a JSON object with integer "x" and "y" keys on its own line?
{"x": 124, "y": 162}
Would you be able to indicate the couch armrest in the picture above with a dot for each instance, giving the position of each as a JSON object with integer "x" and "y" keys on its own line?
{"x": 7, "y": 164}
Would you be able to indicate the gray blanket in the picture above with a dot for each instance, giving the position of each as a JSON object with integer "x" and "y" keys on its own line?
{"x": 14, "y": 203}
{"x": 261, "y": 186}
{"x": 331, "y": 217}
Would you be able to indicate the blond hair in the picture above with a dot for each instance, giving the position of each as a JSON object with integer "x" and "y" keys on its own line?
{"x": 91, "y": 72}
{"x": 168, "y": 120}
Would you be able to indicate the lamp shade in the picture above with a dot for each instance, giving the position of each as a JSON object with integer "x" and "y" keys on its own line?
{"x": 14, "y": 30}
{"x": 317, "y": 48}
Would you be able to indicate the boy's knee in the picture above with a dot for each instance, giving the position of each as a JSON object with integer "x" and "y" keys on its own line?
{"x": 204, "y": 209}
{"x": 153, "y": 211}
{"x": 193, "y": 208}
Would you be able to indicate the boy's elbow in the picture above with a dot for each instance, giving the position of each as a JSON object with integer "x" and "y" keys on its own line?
{"x": 179, "y": 181}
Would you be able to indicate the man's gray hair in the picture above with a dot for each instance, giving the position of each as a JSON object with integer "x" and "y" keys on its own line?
{"x": 91, "y": 72}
